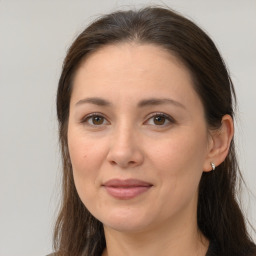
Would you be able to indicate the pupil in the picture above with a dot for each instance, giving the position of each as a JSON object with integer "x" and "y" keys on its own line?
{"x": 97, "y": 120}
{"x": 159, "y": 120}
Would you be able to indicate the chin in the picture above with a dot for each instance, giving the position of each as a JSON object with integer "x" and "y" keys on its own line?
{"x": 128, "y": 227}
{"x": 126, "y": 221}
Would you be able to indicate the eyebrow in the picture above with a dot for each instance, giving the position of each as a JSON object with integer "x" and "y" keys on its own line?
{"x": 142, "y": 103}
{"x": 95, "y": 101}
{"x": 161, "y": 101}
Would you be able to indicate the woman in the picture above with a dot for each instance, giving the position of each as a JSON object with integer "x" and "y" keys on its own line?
{"x": 145, "y": 110}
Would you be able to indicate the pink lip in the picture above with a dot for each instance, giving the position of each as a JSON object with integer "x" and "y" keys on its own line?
{"x": 126, "y": 189}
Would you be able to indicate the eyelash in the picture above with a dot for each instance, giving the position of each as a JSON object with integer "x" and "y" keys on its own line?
{"x": 153, "y": 115}
{"x": 159, "y": 114}
{"x": 88, "y": 117}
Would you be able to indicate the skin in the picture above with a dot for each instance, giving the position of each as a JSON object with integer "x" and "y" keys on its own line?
{"x": 126, "y": 141}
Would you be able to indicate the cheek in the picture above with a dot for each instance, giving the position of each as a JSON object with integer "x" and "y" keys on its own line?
{"x": 179, "y": 162}
{"x": 85, "y": 153}
{"x": 181, "y": 154}
{"x": 86, "y": 158}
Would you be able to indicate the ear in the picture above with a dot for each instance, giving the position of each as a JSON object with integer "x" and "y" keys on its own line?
{"x": 219, "y": 143}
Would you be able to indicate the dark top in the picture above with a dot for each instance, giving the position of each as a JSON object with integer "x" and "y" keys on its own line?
{"x": 212, "y": 250}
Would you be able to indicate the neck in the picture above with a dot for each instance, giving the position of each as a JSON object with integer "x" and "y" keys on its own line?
{"x": 176, "y": 238}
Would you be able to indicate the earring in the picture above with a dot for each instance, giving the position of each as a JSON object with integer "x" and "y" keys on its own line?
{"x": 213, "y": 166}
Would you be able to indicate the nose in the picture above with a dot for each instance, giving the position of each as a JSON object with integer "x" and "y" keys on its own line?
{"x": 124, "y": 150}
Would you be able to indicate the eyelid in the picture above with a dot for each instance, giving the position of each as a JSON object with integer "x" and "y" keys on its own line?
{"x": 168, "y": 117}
{"x": 86, "y": 117}
{"x": 151, "y": 115}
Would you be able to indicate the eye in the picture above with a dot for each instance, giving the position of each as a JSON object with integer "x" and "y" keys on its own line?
{"x": 95, "y": 120}
{"x": 160, "y": 119}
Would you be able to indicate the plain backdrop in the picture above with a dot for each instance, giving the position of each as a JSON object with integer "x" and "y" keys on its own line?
{"x": 34, "y": 37}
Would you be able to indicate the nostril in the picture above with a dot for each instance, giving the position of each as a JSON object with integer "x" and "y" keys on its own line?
{"x": 113, "y": 163}
{"x": 130, "y": 163}
{"x": 124, "y": 158}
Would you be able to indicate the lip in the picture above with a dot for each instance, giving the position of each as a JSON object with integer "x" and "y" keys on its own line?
{"x": 126, "y": 189}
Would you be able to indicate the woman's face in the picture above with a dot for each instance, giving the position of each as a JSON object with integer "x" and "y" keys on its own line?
{"x": 137, "y": 137}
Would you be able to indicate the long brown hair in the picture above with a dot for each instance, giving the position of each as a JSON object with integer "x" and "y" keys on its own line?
{"x": 220, "y": 218}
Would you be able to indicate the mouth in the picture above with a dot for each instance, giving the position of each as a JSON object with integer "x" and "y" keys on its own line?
{"x": 126, "y": 189}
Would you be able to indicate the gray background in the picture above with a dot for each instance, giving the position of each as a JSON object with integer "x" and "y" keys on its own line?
{"x": 34, "y": 36}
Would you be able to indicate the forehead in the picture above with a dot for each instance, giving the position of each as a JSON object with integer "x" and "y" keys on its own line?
{"x": 131, "y": 57}
{"x": 133, "y": 69}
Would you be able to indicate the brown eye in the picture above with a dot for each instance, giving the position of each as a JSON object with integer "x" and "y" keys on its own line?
{"x": 159, "y": 120}
{"x": 97, "y": 120}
